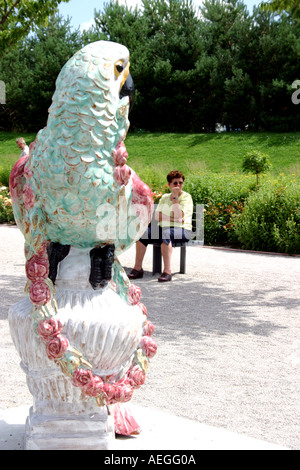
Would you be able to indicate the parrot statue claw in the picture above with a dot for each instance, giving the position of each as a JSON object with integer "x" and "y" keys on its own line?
{"x": 102, "y": 260}
{"x": 56, "y": 253}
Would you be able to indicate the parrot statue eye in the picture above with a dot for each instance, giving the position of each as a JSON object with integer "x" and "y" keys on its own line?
{"x": 119, "y": 67}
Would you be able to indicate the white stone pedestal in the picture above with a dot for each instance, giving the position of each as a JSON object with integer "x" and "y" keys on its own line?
{"x": 106, "y": 329}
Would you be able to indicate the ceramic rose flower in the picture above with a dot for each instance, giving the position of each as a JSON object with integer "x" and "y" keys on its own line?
{"x": 39, "y": 293}
{"x": 27, "y": 171}
{"x": 57, "y": 347}
{"x": 28, "y": 196}
{"x": 82, "y": 378}
{"x": 136, "y": 377}
{"x": 148, "y": 329}
{"x": 122, "y": 174}
{"x": 149, "y": 346}
{"x": 134, "y": 294}
{"x": 120, "y": 154}
{"x": 37, "y": 268}
{"x": 94, "y": 387}
{"x": 48, "y": 329}
{"x": 143, "y": 308}
{"x": 118, "y": 392}
{"x": 109, "y": 390}
{"x": 124, "y": 392}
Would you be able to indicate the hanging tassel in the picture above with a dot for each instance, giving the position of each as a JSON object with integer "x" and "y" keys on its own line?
{"x": 125, "y": 424}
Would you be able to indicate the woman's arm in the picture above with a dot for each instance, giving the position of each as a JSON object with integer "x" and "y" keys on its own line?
{"x": 178, "y": 217}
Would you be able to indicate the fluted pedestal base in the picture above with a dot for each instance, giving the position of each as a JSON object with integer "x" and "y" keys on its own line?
{"x": 86, "y": 431}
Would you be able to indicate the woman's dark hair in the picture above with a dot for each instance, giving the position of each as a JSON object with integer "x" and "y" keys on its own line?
{"x": 174, "y": 174}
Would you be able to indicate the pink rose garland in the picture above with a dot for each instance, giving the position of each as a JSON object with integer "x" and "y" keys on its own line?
{"x": 57, "y": 347}
{"x": 48, "y": 329}
{"x": 143, "y": 308}
{"x": 37, "y": 267}
{"x": 82, "y": 378}
{"x": 122, "y": 172}
{"x": 136, "y": 377}
{"x": 39, "y": 293}
{"x": 119, "y": 392}
{"x": 134, "y": 294}
{"x": 94, "y": 387}
{"x": 120, "y": 154}
{"x": 148, "y": 329}
{"x": 149, "y": 346}
{"x": 28, "y": 196}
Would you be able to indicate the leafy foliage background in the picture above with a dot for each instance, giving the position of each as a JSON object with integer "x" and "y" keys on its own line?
{"x": 192, "y": 68}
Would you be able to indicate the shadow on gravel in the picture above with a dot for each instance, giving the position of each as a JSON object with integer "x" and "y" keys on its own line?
{"x": 12, "y": 291}
{"x": 188, "y": 307}
{"x": 194, "y": 309}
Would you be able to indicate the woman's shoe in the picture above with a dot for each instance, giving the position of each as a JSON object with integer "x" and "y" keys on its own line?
{"x": 165, "y": 277}
{"x": 135, "y": 274}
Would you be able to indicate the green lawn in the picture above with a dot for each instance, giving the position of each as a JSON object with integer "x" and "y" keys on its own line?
{"x": 220, "y": 153}
{"x": 9, "y": 152}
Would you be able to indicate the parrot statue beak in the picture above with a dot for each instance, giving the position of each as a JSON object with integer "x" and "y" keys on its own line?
{"x": 128, "y": 90}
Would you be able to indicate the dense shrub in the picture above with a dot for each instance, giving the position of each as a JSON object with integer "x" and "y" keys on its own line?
{"x": 4, "y": 177}
{"x": 236, "y": 211}
{"x": 271, "y": 219}
{"x": 240, "y": 214}
{"x": 223, "y": 197}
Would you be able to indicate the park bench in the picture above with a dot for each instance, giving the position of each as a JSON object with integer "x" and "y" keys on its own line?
{"x": 197, "y": 239}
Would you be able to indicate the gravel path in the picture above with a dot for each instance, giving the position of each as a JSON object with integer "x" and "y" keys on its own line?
{"x": 228, "y": 335}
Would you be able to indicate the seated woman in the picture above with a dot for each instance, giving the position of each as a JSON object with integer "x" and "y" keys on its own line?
{"x": 174, "y": 216}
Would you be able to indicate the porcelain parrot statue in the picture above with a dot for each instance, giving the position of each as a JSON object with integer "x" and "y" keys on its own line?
{"x": 74, "y": 189}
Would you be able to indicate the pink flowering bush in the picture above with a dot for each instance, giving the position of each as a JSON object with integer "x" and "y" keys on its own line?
{"x": 6, "y": 210}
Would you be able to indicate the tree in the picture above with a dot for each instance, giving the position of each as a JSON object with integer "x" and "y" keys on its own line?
{"x": 257, "y": 163}
{"x": 164, "y": 41}
{"x": 191, "y": 71}
{"x": 30, "y": 71}
{"x": 278, "y": 6}
{"x": 251, "y": 63}
{"x": 273, "y": 65}
{"x": 226, "y": 31}
{"x": 19, "y": 17}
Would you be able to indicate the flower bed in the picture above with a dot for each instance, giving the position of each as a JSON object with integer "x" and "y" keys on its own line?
{"x": 6, "y": 211}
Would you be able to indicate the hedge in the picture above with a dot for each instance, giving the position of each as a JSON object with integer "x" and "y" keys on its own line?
{"x": 237, "y": 211}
